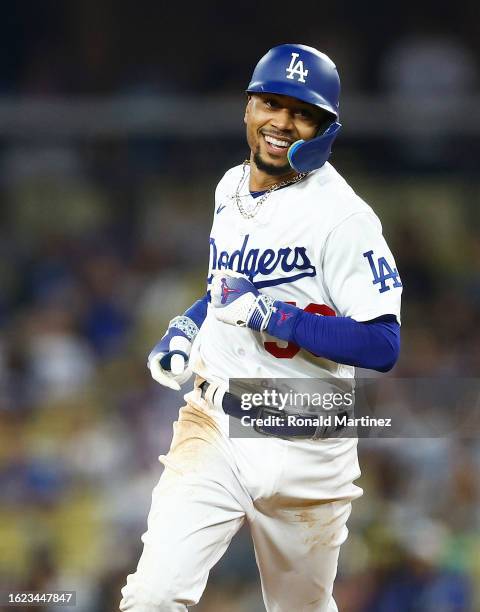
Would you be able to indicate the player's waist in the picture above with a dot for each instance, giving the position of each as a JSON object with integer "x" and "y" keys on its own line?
{"x": 218, "y": 357}
{"x": 275, "y": 422}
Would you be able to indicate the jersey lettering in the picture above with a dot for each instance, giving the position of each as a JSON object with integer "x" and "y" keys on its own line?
{"x": 296, "y": 68}
{"x": 252, "y": 262}
{"x": 383, "y": 273}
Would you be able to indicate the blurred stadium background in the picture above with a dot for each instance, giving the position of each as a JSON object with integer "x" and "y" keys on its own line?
{"x": 116, "y": 122}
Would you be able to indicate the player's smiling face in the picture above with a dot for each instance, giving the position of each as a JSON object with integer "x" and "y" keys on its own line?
{"x": 273, "y": 123}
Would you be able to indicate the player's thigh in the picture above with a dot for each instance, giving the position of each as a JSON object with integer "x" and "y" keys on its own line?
{"x": 197, "y": 507}
{"x": 297, "y": 547}
{"x": 190, "y": 525}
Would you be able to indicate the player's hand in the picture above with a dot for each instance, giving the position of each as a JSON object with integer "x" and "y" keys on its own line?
{"x": 237, "y": 301}
{"x": 168, "y": 360}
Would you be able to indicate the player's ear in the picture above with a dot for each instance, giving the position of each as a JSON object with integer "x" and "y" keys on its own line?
{"x": 247, "y": 108}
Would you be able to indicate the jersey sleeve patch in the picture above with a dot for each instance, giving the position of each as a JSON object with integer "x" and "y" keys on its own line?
{"x": 360, "y": 271}
{"x": 382, "y": 272}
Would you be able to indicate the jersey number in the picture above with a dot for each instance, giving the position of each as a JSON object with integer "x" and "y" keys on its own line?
{"x": 289, "y": 351}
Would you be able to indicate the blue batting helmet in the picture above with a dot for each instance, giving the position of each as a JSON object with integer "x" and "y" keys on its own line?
{"x": 300, "y": 72}
{"x": 306, "y": 74}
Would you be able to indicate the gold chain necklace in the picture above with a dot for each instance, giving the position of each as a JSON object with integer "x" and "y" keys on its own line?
{"x": 259, "y": 201}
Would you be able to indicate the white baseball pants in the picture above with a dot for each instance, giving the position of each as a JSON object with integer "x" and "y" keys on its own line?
{"x": 295, "y": 495}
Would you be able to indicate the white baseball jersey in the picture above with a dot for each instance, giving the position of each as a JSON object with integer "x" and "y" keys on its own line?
{"x": 315, "y": 244}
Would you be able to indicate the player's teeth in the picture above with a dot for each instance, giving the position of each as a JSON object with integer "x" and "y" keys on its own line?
{"x": 277, "y": 143}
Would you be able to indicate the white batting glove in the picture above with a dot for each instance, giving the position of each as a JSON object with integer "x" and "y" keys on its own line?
{"x": 168, "y": 360}
{"x": 238, "y": 302}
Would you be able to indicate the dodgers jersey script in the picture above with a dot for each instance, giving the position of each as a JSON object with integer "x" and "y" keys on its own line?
{"x": 327, "y": 256}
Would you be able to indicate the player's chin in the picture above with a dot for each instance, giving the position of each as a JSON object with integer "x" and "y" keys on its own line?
{"x": 272, "y": 165}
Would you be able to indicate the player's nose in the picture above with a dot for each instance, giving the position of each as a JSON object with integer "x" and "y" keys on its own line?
{"x": 283, "y": 119}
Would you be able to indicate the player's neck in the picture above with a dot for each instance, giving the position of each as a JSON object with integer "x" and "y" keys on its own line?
{"x": 262, "y": 181}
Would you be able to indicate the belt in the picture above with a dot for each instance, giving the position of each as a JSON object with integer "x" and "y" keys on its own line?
{"x": 232, "y": 406}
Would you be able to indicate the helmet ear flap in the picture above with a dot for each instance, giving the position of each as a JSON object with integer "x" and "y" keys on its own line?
{"x": 325, "y": 122}
{"x": 308, "y": 155}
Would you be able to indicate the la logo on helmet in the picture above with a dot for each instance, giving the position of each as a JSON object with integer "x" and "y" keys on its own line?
{"x": 296, "y": 67}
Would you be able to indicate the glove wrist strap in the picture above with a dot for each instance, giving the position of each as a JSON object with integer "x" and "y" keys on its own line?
{"x": 185, "y": 325}
{"x": 260, "y": 312}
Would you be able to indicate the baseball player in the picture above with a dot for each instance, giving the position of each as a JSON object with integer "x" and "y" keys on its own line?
{"x": 301, "y": 284}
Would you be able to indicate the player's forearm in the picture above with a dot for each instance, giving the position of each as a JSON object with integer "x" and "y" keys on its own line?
{"x": 373, "y": 344}
{"x": 198, "y": 311}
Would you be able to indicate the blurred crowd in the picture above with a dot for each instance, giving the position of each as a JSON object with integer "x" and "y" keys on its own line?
{"x": 88, "y": 47}
{"x": 104, "y": 240}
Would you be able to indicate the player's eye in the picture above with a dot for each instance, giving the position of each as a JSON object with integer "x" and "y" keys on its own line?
{"x": 271, "y": 103}
{"x": 304, "y": 113}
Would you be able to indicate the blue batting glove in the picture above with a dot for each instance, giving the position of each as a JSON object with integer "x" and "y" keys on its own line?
{"x": 168, "y": 360}
{"x": 238, "y": 302}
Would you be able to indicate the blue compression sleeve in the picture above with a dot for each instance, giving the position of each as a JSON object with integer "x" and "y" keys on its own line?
{"x": 198, "y": 311}
{"x": 372, "y": 344}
